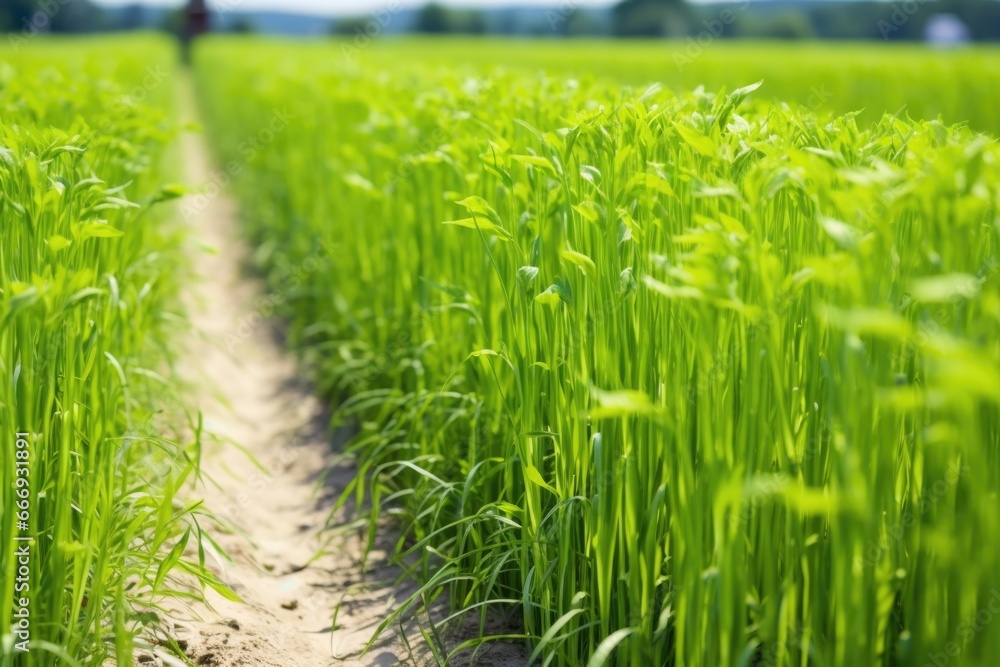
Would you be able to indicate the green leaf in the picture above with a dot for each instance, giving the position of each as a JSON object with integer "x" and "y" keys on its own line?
{"x": 626, "y": 281}
{"x": 98, "y": 230}
{"x": 732, "y": 225}
{"x": 360, "y": 182}
{"x": 652, "y": 183}
{"x": 480, "y": 206}
{"x": 510, "y": 508}
{"x": 587, "y": 211}
{"x": 536, "y": 478}
{"x": 23, "y": 296}
{"x": 697, "y": 141}
{"x": 591, "y": 173}
{"x": 168, "y": 192}
{"x": 671, "y": 291}
{"x": 218, "y": 586}
{"x": 550, "y": 297}
{"x": 57, "y": 242}
{"x": 483, "y": 225}
{"x": 559, "y": 291}
{"x": 484, "y": 215}
{"x": 843, "y": 234}
{"x": 740, "y": 93}
{"x": 607, "y": 646}
{"x": 171, "y": 559}
{"x": 83, "y": 294}
{"x": 526, "y": 276}
{"x": 585, "y": 263}
{"x": 536, "y": 161}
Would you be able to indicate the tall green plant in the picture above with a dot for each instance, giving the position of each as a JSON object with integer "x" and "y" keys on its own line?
{"x": 91, "y": 527}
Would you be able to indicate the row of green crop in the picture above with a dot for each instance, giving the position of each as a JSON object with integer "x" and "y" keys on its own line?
{"x": 91, "y": 528}
{"x": 841, "y": 77}
{"x": 683, "y": 380}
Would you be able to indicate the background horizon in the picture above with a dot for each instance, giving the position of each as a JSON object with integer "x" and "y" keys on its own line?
{"x": 697, "y": 22}
{"x": 356, "y": 7}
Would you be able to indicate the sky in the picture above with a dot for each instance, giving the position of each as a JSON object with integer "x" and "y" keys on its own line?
{"x": 353, "y": 7}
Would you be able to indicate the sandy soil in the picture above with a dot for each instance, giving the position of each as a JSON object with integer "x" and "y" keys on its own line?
{"x": 254, "y": 397}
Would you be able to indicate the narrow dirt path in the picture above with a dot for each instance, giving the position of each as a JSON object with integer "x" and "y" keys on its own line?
{"x": 254, "y": 395}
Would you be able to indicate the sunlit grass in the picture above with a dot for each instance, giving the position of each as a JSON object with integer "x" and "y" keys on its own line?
{"x": 683, "y": 380}
{"x": 88, "y": 298}
{"x": 865, "y": 77}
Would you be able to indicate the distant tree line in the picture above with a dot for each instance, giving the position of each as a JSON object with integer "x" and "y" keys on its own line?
{"x": 32, "y": 16}
{"x": 29, "y": 17}
{"x": 770, "y": 19}
{"x": 773, "y": 19}
{"x": 789, "y": 19}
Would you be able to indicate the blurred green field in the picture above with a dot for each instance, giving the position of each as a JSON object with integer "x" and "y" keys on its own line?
{"x": 841, "y": 77}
